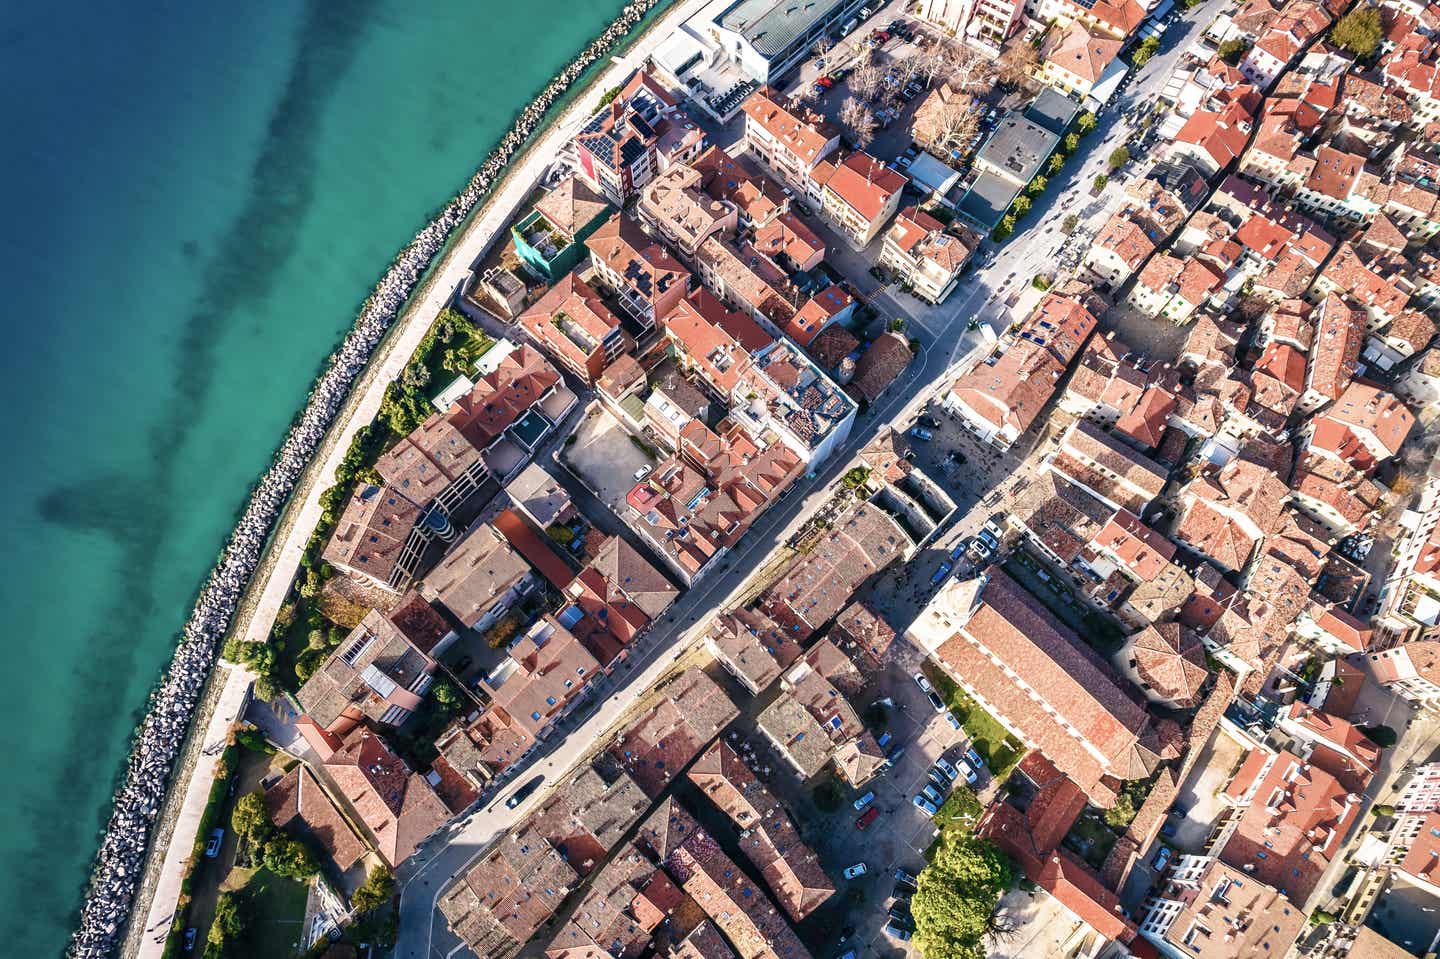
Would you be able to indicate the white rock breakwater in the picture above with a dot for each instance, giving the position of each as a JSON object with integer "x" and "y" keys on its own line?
{"x": 121, "y": 859}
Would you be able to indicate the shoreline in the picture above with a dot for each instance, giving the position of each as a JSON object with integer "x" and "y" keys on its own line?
{"x": 349, "y": 377}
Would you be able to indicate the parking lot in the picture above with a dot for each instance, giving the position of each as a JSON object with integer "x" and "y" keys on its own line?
{"x": 605, "y": 457}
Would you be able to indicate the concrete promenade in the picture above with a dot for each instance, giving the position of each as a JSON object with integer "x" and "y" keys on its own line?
{"x": 166, "y": 894}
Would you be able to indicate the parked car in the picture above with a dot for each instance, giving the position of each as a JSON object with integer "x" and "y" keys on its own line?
{"x": 993, "y": 529}
{"x": 934, "y": 795}
{"x": 922, "y": 803}
{"x": 959, "y": 550}
{"x": 1169, "y": 829}
{"x": 1162, "y": 859}
{"x": 825, "y": 83}
{"x": 897, "y": 932}
{"x": 190, "y": 939}
{"x": 855, "y": 871}
{"x": 840, "y": 74}
{"x": 923, "y": 683}
{"x": 970, "y": 776}
{"x": 989, "y": 539}
{"x": 936, "y": 701}
{"x": 642, "y": 472}
{"x": 872, "y": 814}
{"x": 894, "y": 756}
{"x": 946, "y": 769}
{"x": 954, "y": 723}
{"x": 900, "y": 915}
{"x": 884, "y": 740}
{"x": 523, "y": 793}
{"x": 975, "y": 759}
{"x": 904, "y": 877}
{"x": 903, "y": 163}
{"x": 864, "y": 800}
{"x": 978, "y": 547}
{"x": 925, "y": 419}
{"x": 940, "y": 574}
{"x": 212, "y": 845}
{"x": 922, "y": 434}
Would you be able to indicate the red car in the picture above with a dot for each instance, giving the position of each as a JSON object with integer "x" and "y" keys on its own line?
{"x": 871, "y": 814}
{"x": 825, "y": 82}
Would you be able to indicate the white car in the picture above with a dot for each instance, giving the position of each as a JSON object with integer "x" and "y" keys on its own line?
{"x": 923, "y": 683}
{"x": 855, "y": 871}
{"x": 642, "y": 472}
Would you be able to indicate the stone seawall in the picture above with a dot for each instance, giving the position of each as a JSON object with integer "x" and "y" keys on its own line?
{"x": 120, "y": 861}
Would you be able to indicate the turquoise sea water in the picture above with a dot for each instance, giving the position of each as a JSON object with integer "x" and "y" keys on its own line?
{"x": 197, "y": 198}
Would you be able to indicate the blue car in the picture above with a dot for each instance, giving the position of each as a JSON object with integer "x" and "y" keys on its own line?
{"x": 940, "y": 574}
{"x": 957, "y": 552}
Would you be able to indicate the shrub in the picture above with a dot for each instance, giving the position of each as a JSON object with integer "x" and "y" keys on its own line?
{"x": 828, "y": 797}
{"x": 896, "y": 325}
{"x": 1040, "y": 282}
{"x": 1100, "y": 180}
{"x": 1383, "y": 809}
{"x": 253, "y": 740}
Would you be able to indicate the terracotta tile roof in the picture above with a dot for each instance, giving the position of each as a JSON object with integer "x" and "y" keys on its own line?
{"x": 1059, "y": 514}
{"x": 500, "y": 398}
{"x": 737, "y": 182}
{"x": 298, "y": 798}
{"x": 816, "y": 313}
{"x": 717, "y": 340}
{"x": 788, "y": 234}
{"x": 819, "y": 585}
{"x": 769, "y": 838}
{"x": 803, "y": 132}
{"x": 832, "y": 345}
{"x": 1081, "y": 52}
{"x": 1295, "y": 818}
{"x": 865, "y": 184}
{"x": 1170, "y": 660}
{"x": 1145, "y": 424}
{"x": 721, "y": 890}
{"x": 1016, "y": 387}
{"x": 1340, "y": 334}
{"x": 1363, "y": 426}
{"x": 1412, "y": 329}
{"x": 1356, "y": 281}
{"x": 1221, "y": 134}
{"x": 1126, "y": 238}
{"x": 881, "y": 365}
{"x": 750, "y": 643}
{"x": 395, "y": 803}
{"x": 1228, "y": 913}
{"x": 1140, "y": 549}
{"x": 537, "y": 552}
{"x": 657, "y": 747}
{"x": 571, "y": 205}
{"x": 373, "y": 671}
{"x": 1162, "y": 270}
{"x": 1056, "y": 691}
{"x": 861, "y": 630}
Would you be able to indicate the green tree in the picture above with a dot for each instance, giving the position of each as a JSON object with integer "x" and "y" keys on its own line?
{"x": 1085, "y": 122}
{"x": 447, "y": 695}
{"x": 1358, "y": 31}
{"x": 375, "y": 891}
{"x": 1122, "y": 813}
{"x": 1037, "y": 186}
{"x": 290, "y": 857}
{"x": 1006, "y": 227}
{"x": 1144, "y": 51}
{"x": 897, "y": 325}
{"x": 1071, "y": 143}
{"x": 1118, "y": 158}
{"x": 956, "y": 895}
{"x": 1100, "y": 180}
{"x": 1070, "y": 223}
{"x": 1057, "y": 163}
{"x": 1021, "y": 206}
{"x": 250, "y": 818}
{"x": 1040, "y": 281}
{"x": 229, "y": 919}
{"x": 1232, "y": 50}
